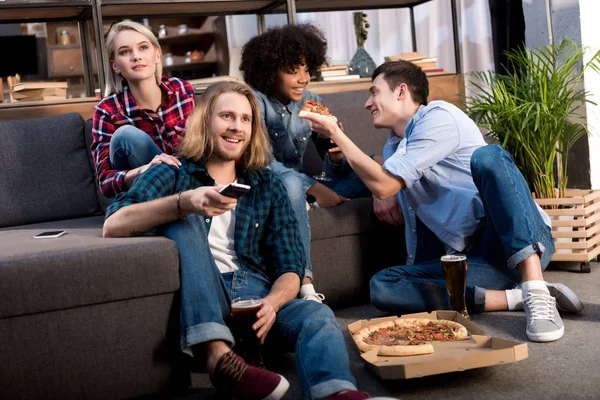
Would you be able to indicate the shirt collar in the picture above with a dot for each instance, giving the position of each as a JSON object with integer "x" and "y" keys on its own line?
{"x": 415, "y": 118}
{"x": 198, "y": 169}
{"x": 129, "y": 102}
{"x": 293, "y": 106}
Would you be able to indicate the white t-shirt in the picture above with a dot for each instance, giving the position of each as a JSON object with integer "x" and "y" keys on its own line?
{"x": 221, "y": 242}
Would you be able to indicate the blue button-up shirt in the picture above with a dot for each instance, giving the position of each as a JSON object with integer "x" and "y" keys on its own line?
{"x": 434, "y": 159}
{"x": 267, "y": 239}
{"x": 288, "y": 132}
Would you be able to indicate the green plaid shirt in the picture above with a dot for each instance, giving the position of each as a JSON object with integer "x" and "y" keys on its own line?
{"x": 266, "y": 236}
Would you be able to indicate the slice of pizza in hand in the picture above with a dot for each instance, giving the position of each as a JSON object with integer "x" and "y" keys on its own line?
{"x": 408, "y": 337}
{"x": 314, "y": 107}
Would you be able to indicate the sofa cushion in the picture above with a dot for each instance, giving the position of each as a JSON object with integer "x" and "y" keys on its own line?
{"x": 102, "y": 200}
{"x": 46, "y": 174}
{"x": 81, "y": 267}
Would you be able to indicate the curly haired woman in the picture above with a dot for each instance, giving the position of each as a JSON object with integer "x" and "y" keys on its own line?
{"x": 278, "y": 65}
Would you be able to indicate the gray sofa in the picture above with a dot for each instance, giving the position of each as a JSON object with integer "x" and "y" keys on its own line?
{"x": 86, "y": 317}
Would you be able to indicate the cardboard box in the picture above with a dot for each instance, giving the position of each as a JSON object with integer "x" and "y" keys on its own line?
{"x": 478, "y": 351}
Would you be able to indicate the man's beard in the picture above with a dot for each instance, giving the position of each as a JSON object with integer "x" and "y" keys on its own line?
{"x": 219, "y": 153}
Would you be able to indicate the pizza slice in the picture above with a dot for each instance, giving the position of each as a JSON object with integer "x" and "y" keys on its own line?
{"x": 315, "y": 107}
{"x": 407, "y": 337}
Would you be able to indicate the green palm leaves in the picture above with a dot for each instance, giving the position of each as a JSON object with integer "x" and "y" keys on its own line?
{"x": 535, "y": 111}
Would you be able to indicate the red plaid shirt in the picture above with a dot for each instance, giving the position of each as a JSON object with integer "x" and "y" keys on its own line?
{"x": 165, "y": 126}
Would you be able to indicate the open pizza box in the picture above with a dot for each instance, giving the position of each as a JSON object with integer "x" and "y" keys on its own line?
{"x": 478, "y": 351}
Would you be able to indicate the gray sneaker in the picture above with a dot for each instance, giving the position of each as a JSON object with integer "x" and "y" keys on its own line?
{"x": 566, "y": 299}
{"x": 543, "y": 322}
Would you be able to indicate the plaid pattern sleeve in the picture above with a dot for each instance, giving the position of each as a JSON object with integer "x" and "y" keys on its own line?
{"x": 282, "y": 236}
{"x": 158, "y": 181}
{"x": 110, "y": 181}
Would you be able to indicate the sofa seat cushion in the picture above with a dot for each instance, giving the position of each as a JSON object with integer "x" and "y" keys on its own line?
{"x": 46, "y": 174}
{"x": 80, "y": 268}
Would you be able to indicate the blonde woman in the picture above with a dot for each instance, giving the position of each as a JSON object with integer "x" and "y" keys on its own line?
{"x": 142, "y": 119}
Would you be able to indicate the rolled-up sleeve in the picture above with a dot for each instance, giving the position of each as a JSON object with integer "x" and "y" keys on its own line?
{"x": 434, "y": 137}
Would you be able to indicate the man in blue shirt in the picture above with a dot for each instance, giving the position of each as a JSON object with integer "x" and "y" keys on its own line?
{"x": 231, "y": 248}
{"x": 456, "y": 195}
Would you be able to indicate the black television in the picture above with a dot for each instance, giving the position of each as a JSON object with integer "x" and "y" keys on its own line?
{"x": 19, "y": 55}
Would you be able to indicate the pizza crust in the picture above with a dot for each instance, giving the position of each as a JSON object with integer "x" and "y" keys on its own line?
{"x": 304, "y": 113}
{"x": 459, "y": 331}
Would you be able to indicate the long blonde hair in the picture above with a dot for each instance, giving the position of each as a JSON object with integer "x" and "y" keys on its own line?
{"x": 114, "y": 80}
{"x": 198, "y": 144}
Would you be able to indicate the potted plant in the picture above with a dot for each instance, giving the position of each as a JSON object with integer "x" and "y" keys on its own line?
{"x": 533, "y": 110}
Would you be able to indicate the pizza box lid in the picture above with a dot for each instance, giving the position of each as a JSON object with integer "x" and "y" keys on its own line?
{"x": 480, "y": 350}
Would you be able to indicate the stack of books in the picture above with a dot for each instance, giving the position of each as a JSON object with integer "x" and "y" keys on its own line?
{"x": 427, "y": 64}
{"x": 38, "y": 91}
{"x": 201, "y": 84}
{"x": 336, "y": 73}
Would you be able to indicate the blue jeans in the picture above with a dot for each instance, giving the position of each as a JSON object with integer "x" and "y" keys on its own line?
{"x": 131, "y": 147}
{"x": 297, "y": 193}
{"x": 512, "y": 231}
{"x": 349, "y": 185}
{"x": 305, "y": 327}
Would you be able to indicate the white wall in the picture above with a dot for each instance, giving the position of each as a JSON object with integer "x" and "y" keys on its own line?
{"x": 390, "y": 34}
{"x": 590, "y": 37}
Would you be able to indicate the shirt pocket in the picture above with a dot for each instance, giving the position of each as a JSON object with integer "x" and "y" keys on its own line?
{"x": 300, "y": 142}
{"x": 280, "y": 144}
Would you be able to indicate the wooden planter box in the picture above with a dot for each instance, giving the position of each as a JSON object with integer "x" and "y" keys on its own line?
{"x": 575, "y": 225}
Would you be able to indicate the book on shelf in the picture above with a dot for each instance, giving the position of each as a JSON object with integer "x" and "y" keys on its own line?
{"x": 341, "y": 78}
{"x": 38, "y": 98}
{"x": 412, "y": 56}
{"x": 435, "y": 71}
{"x": 427, "y": 65}
{"x": 334, "y": 70}
{"x": 38, "y": 85}
{"x": 31, "y": 93}
{"x": 201, "y": 84}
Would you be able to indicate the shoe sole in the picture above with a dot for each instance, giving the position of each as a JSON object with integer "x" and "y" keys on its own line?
{"x": 280, "y": 390}
{"x": 546, "y": 336}
{"x": 566, "y": 299}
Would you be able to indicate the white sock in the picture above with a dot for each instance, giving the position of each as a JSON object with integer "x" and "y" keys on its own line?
{"x": 514, "y": 298}
{"x": 530, "y": 285}
{"x": 306, "y": 289}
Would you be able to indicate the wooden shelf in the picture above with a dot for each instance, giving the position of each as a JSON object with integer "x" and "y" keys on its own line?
{"x": 190, "y": 65}
{"x": 341, "y": 5}
{"x": 44, "y": 10}
{"x": 449, "y": 87}
{"x": 133, "y": 8}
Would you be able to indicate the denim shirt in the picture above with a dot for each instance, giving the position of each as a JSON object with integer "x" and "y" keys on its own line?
{"x": 289, "y": 134}
{"x": 434, "y": 159}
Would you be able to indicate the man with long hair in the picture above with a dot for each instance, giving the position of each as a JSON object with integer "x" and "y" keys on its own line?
{"x": 231, "y": 248}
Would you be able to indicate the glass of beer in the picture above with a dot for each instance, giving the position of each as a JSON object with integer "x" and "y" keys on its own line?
{"x": 454, "y": 267}
{"x": 243, "y": 313}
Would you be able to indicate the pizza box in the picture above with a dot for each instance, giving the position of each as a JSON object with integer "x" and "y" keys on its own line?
{"x": 480, "y": 350}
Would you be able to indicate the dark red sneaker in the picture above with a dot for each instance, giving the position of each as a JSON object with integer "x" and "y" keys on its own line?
{"x": 348, "y": 395}
{"x": 239, "y": 380}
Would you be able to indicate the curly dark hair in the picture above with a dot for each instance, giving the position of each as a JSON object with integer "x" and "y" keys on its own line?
{"x": 281, "y": 47}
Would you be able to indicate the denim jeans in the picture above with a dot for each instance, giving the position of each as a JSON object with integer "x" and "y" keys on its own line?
{"x": 131, "y": 147}
{"x": 296, "y": 189}
{"x": 512, "y": 230}
{"x": 349, "y": 185}
{"x": 305, "y": 327}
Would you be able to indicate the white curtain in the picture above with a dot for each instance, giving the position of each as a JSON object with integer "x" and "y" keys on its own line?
{"x": 389, "y": 33}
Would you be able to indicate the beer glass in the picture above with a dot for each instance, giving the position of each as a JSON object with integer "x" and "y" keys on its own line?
{"x": 454, "y": 267}
{"x": 243, "y": 313}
